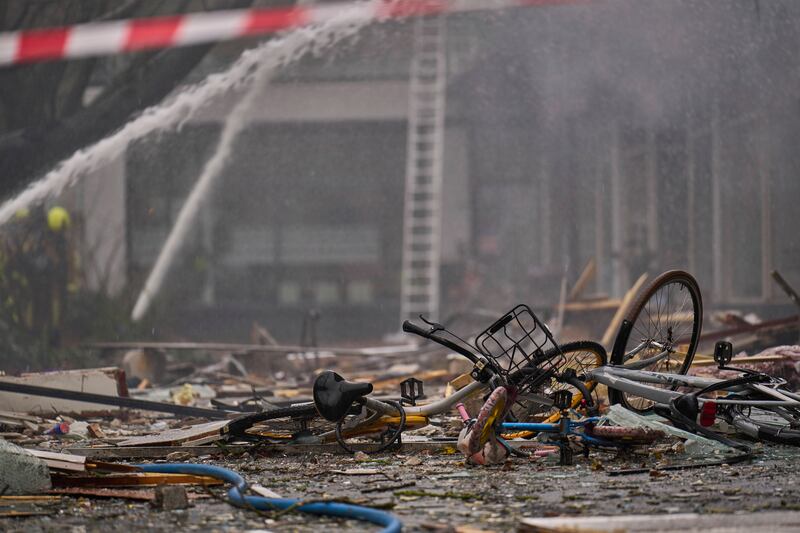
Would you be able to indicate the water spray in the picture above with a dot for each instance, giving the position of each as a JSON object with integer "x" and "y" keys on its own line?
{"x": 333, "y": 31}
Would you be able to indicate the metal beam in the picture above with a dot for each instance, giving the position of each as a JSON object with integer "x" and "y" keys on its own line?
{"x": 117, "y": 401}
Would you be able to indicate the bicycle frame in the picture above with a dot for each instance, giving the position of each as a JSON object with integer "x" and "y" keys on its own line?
{"x": 416, "y": 415}
{"x": 635, "y": 382}
{"x": 644, "y": 363}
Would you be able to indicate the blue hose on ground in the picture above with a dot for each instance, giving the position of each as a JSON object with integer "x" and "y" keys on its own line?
{"x": 390, "y": 523}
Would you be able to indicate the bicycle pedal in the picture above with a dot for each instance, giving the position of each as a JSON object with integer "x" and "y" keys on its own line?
{"x": 410, "y": 391}
{"x": 562, "y": 399}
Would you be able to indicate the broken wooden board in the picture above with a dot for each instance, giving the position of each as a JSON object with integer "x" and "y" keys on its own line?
{"x": 208, "y": 432}
{"x": 132, "y": 480}
{"x": 29, "y": 498}
{"x": 27, "y": 505}
{"x": 77, "y": 463}
{"x": 128, "y": 494}
{"x": 708, "y": 360}
{"x": 608, "y": 304}
{"x": 107, "y": 381}
{"x": 775, "y": 521}
{"x": 627, "y": 302}
{"x": 586, "y": 276}
{"x": 18, "y": 420}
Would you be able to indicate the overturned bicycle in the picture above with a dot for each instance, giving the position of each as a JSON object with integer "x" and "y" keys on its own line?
{"x": 532, "y": 384}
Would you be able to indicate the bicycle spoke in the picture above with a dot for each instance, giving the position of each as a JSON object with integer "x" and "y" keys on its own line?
{"x": 667, "y": 312}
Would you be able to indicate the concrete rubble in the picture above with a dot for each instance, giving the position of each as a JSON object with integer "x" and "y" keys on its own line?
{"x": 21, "y": 472}
{"x": 89, "y": 453}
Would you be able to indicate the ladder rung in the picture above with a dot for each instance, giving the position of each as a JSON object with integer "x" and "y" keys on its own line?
{"x": 422, "y": 247}
{"x": 422, "y": 230}
{"x": 420, "y": 255}
{"x": 413, "y": 312}
{"x": 421, "y": 298}
{"x": 420, "y": 196}
{"x": 428, "y": 240}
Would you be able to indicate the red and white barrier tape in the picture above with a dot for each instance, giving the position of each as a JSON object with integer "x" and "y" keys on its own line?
{"x": 104, "y": 38}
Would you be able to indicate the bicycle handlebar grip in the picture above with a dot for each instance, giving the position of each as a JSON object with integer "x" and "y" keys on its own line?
{"x": 410, "y": 327}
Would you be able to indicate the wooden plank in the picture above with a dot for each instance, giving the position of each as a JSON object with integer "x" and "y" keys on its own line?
{"x": 128, "y": 494}
{"x": 61, "y": 461}
{"x": 619, "y": 316}
{"x": 132, "y": 480}
{"x": 29, "y": 498}
{"x": 24, "y": 513}
{"x": 589, "y": 272}
{"x": 172, "y": 437}
{"x": 19, "y": 417}
{"x": 77, "y": 463}
{"x": 775, "y": 521}
{"x": 597, "y": 305}
{"x": 708, "y": 360}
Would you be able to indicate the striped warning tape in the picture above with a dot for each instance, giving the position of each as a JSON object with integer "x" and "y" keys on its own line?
{"x": 112, "y": 37}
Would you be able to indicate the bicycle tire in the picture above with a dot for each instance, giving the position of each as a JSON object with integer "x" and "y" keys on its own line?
{"x": 393, "y": 440}
{"x": 239, "y": 425}
{"x": 652, "y": 318}
{"x": 753, "y": 425}
{"x": 579, "y": 355}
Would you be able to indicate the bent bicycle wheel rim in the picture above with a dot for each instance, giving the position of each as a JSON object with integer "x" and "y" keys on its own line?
{"x": 581, "y": 356}
{"x": 763, "y": 424}
{"x": 670, "y": 312}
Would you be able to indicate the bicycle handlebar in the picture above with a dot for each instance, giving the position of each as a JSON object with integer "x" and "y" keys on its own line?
{"x": 410, "y": 327}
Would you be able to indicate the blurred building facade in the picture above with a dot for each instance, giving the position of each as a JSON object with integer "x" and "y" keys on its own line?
{"x": 567, "y": 138}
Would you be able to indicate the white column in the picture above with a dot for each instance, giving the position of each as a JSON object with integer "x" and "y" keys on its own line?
{"x": 765, "y": 175}
{"x": 103, "y": 208}
{"x": 617, "y": 207}
{"x": 716, "y": 205}
{"x": 652, "y": 196}
{"x": 544, "y": 206}
{"x": 690, "y": 198}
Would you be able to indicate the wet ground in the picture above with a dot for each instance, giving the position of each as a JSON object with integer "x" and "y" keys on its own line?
{"x": 436, "y": 491}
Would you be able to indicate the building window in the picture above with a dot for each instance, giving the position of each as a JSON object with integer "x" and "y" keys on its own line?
{"x": 289, "y": 293}
{"x": 326, "y": 293}
{"x": 360, "y": 292}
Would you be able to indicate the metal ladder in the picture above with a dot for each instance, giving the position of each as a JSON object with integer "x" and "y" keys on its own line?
{"x": 422, "y": 219}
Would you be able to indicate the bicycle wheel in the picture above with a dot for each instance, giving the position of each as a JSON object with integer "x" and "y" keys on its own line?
{"x": 766, "y": 424}
{"x": 281, "y": 423}
{"x": 665, "y": 320}
{"x": 581, "y": 356}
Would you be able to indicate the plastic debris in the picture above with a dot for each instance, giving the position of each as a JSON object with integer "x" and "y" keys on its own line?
{"x": 694, "y": 445}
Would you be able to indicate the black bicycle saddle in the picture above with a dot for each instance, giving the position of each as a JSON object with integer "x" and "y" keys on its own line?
{"x": 333, "y": 395}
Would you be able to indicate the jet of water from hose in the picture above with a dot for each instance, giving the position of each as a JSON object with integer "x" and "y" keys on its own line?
{"x": 178, "y": 110}
{"x": 235, "y": 122}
